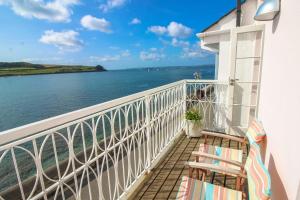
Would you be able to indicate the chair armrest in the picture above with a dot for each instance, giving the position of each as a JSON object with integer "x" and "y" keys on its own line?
{"x": 214, "y": 157}
{"x": 210, "y": 167}
{"x": 230, "y": 137}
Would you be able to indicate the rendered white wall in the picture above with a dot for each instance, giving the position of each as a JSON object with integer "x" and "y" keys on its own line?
{"x": 248, "y": 11}
{"x": 222, "y": 44}
{"x": 279, "y": 107}
{"x": 280, "y": 100}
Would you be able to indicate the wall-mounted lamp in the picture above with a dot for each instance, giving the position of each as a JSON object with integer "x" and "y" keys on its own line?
{"x": 267, "y": 10}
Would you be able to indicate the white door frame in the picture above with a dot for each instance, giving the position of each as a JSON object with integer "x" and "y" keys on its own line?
{"x": 232, "y": 79}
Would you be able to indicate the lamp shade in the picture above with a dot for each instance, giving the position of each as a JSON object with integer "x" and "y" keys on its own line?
{"x": 267, "y": 10}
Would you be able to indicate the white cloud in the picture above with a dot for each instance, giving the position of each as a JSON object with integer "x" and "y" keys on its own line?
{"x": 158, "y": 30}
{"x": 93, "y": 23}
{"x": 125, "y": 53}
{"x": 194, "y": 52}
{"x": 179, "y": 30}
{"x": 107, "y": 58}
{"x": 54, "y": 11}
{"x": 174, "y": 29}
{"x": 42, "y": 60}
{"x": 175, "y": 42}
{"x": 135, "y": 21}
{"x": 153, "y": 49}
{"x": 153, "y": 55}
{"x": 179, "y": 43}
{"x": 110, "y": 4}
{"x": 165, "y": 42}
{"x": 110, "y": 58}
{"x": 64, "y": 40}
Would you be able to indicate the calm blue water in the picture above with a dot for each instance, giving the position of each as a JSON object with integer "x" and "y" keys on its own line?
{"x": 26, "y": 99}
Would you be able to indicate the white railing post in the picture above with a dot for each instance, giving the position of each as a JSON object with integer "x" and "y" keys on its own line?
{"x": 184, "y": 105}
{"x": 148, "y": 130}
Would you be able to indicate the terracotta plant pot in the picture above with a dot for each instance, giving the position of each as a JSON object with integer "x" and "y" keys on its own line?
{"x": 194, "y": 128}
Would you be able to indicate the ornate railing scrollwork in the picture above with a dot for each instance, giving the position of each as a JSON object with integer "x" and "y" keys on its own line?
{"x": 100, "y": 152}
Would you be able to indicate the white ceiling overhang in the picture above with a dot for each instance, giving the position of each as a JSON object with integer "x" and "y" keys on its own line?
{"x": 211, "y": 40}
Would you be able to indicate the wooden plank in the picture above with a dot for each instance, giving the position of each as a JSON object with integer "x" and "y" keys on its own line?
{"x": 158, "y": 172}
{"x": 165, "y": 179}
{"x": 164, "y": 193}
{"x": 184, "y": 171}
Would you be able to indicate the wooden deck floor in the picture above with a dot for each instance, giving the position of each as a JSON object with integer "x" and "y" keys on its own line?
{"x": 164, "y": 182}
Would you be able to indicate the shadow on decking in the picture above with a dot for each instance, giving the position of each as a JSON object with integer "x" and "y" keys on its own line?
{"x": 164, "y": 181}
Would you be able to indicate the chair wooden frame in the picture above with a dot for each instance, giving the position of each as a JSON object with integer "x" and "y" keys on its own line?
{"x": 241, "y": 140}
{"x": 205, "y": 167}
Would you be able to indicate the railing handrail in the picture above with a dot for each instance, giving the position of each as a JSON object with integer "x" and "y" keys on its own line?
{"x": 45, "y": 124}
{"x": 205, "y": 81}
{"x": 138, "y": 128}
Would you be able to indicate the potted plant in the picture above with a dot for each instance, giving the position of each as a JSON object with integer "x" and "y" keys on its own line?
{"x": 194, "y": 122}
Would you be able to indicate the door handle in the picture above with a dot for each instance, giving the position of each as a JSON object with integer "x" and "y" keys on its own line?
{"x": 233, "y": 81}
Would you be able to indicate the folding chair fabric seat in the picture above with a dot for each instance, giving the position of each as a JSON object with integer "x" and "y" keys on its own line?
{"x": 222, "y": 152}
{"x": 256, "y": 132}
{"x": 258, "y": 178}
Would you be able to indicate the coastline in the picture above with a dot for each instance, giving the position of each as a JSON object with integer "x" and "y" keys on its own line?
{"x": 24, "y": 68}
{"x": 46, "y": 73}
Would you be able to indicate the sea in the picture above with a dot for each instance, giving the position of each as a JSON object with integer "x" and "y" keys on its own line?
{"x": 27, "y": 99}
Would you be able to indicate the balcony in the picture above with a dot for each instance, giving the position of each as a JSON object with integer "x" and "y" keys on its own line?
{"x": 164, "y": 180}
{"x": 109, "y": 150}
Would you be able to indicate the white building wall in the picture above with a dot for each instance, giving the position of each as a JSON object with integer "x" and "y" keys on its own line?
{"x": 244, "y": 68}
{"x": 279, "y": 105}
{"x": 248, "y": 11}
{"x": 280, "y": 100}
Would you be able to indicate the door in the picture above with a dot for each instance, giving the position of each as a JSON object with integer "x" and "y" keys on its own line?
{"x": 245, "y": 72}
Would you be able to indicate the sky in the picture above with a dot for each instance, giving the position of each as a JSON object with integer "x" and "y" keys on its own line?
{"x": 117, "y": 34}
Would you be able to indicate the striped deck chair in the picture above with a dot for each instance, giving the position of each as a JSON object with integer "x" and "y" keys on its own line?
{"x": 256, "y": 132}
{"x": 228, "y": 157}
{"x": 259, "y": 183}
{"x": 258, "y": 177}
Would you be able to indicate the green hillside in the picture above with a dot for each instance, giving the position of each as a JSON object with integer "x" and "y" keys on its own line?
{"x": 25, "y": 68}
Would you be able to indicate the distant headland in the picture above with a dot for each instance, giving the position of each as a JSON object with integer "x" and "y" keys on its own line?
{"x": 25, "y": 68}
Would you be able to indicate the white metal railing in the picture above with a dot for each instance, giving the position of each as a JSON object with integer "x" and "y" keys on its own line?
{"x": 211, "y": 98}
{"x": 102, "y": 151}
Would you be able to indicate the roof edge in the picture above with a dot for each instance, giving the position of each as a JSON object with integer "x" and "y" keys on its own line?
{"x": 222, "y": 17}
